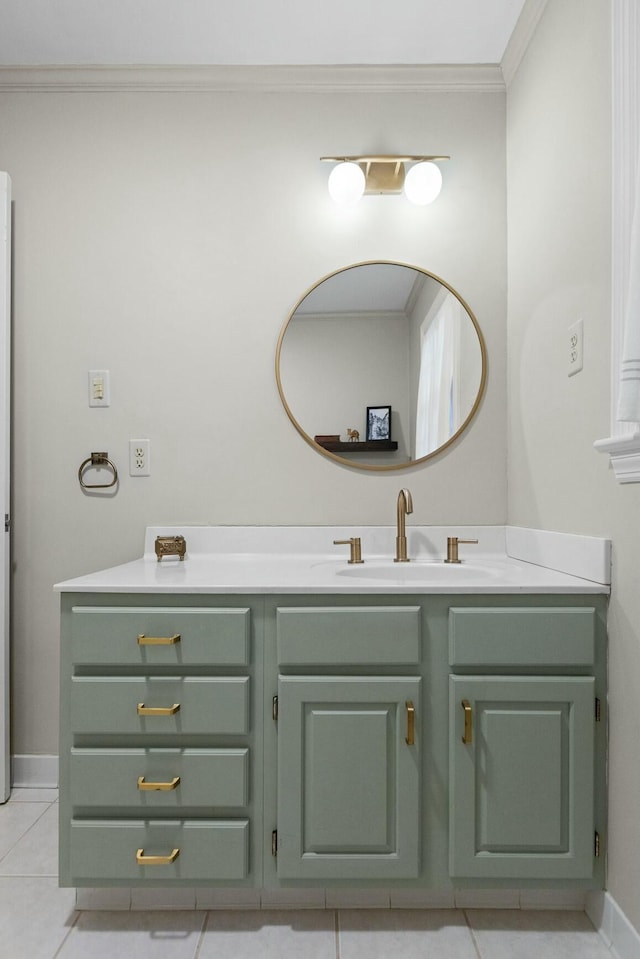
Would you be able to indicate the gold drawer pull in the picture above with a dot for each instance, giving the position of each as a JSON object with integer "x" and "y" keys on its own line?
{"x": 158, "y": 640}
{"x": 143, "y": 860}
{"x": 165, "y": 787}
{"x": 157, "y": 710}
{"x": 467, "y": 739}
{"x": 411, "y": 723}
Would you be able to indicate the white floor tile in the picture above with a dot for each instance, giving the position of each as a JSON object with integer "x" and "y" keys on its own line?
{"x": 35, "y": 917}
{"x": 16, "y": 819}
{"x": 145, "y": 935}
{"x": 163, "y": 897}
{"x": 269, "y": 935}
{"x": 422, "y": 899}
{"x": 487, "y": 898}
{"x": 511, "y": 934}
{"x": 29, "y": 794}
{"x": 286, "y": 899}
{"x": 36, "y": 854}
{"x": 358, "y": 899}
{"x": 410, "y": 933}
{"x": 217, "y": 897}
{"x": 89, "y": 897}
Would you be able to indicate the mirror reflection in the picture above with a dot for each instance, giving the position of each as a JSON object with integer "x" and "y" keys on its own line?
{"x": 380, "y": 365}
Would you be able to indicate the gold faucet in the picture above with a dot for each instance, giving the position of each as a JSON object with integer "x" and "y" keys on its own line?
{"x": 405, "y": 505}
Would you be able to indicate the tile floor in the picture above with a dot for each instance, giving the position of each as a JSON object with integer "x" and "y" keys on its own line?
{"x": 40, "y": 921}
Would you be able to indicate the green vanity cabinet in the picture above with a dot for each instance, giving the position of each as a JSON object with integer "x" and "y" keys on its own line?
{"x": 348, "y": 742}
{"x": 348, "y": 777}
{"x": 160, "y": 751}
{"x": 395, "y": 741}
{"x": 522, "y": 743}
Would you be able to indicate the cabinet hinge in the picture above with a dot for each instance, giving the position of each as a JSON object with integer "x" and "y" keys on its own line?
{"x": 274, "y": 709}
{"x": 596, "y": 845}
{"x": 7, "y": 523}
{"x": 598, "y": 711}
{"x": 274, "y": 842}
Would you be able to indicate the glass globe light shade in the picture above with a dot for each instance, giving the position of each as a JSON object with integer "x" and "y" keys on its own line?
{"x": 423, "y": 183}
{"x": 346, "y": 183}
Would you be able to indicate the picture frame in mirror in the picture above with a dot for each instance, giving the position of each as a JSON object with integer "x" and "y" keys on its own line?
{"x": 378, "y": 423}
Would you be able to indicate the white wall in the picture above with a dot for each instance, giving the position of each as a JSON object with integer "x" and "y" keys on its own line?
{"x": 559, "y": 149}
{"x": 166, "y": 237}
{"x": 333, "y": 366}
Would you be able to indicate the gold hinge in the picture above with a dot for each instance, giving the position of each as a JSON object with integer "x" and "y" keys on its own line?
{"x": 598, "y": 711}
{"x": 596, "y": 850}
{"x": 274, "y": 842}
{"x": 274, "y": 709}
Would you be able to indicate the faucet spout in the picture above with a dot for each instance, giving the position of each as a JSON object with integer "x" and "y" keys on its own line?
{"x": 405, "y": 505}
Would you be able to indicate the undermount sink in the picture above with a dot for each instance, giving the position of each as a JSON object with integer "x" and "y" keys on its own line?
{"x": 420, "y": 572}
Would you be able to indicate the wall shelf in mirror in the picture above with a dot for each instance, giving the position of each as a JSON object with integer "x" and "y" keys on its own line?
{"x": 381, "y": 328}
{"x": 365, "y": 446}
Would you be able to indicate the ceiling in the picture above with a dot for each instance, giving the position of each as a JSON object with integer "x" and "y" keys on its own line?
{"x": 254, "y": 32}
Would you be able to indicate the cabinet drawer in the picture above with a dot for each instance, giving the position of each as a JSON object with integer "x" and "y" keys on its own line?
{"x": 525, "y": 637}
{"x": 206, "y": 704}
{"x": 207, "y": 849}
{"x": 179, "y": 777}
{"x": 172, "y": 636}
{"x": 348, "y": 635}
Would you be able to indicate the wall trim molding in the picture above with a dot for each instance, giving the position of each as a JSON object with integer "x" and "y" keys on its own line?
{"x": 623, "y": 445}
{"x": 465, "y": 78}
{"x": 521, "y": 37}
{"x": 616, "y": 931}
{"x": 36, "y": 772}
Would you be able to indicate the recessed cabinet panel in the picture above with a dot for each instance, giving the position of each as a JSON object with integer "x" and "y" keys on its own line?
{"x": 528, "y": 637}
{"x": 159, "y": 778}
{"x": 147, "y": 704}
{"x": 348, "y": 635}
{"x": 144, "y": 852}
{"x": 348, "y": 779}
{"x": 521, "y": 777}
{"x": 159, "y": 636}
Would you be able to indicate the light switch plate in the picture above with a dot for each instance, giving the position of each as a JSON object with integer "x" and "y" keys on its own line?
{"x": 99, "y": 388}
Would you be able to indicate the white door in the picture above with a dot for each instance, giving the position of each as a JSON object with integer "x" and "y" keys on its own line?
{"x": 5, "y": 353}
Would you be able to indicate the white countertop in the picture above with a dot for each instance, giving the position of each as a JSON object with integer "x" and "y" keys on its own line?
{"x": 244, "y": 560}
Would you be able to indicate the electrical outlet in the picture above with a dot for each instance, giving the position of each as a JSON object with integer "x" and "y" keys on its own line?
{"x": 139, "y": 462}
{"x": 575, "y": 333}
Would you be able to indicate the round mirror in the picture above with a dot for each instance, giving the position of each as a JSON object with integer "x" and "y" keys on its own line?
{"x": 380, "y": 365}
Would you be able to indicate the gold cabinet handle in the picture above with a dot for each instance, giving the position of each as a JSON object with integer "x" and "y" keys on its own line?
{"x": 467, "y": 738}
{"x": 165, "y": 787}
{"x": 157, "y": 710}
{"x": 158, "y": 640}
{"x": 143, "y": 860}
{"x": 411, "y": 723}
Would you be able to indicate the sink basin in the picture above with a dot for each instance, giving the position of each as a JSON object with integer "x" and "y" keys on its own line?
{"x": 420, "y": 572}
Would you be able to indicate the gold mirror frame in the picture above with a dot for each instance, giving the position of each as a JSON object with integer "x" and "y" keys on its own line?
{"x": 343, "y": 461}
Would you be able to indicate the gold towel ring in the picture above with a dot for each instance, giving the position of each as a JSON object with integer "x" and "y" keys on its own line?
{"x": 97, "y": 459}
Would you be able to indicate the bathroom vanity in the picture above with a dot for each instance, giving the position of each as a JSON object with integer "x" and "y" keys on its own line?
{"x": 265, "y": 714}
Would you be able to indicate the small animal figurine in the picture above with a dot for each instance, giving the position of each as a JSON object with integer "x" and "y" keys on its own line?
{"x": 353, "y": 435}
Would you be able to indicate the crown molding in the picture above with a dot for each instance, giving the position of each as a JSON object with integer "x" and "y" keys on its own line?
{"x": 521, "y": 38}
{"x": 463, "y": 78}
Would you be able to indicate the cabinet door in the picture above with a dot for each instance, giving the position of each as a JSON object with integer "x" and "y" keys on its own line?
{"x": 348, "y": 777}
{"x": 521, "y": 777}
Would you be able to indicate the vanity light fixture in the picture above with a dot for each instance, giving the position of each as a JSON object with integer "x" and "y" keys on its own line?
{"x": 355, "y": 176}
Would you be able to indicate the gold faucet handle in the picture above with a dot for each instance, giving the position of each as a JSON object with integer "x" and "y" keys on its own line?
{"x": 355, "y": 548}
{"x": 452, "y": 548}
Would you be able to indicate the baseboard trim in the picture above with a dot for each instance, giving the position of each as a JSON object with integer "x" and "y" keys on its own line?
{"x": 35, "y": 772}
{"x": 621, "y": 937}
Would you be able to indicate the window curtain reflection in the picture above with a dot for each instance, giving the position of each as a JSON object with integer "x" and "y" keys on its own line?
{"x": 439, "y": 381}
